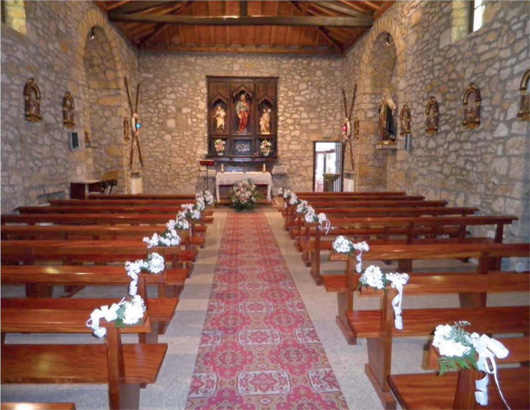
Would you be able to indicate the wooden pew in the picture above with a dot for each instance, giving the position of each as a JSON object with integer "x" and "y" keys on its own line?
{"x": 121, "y": 202}
{"x": 190, "y": 197}
{"x": 310, "y": 194}
{"x": 407, "y": 230}
{"x": 68, "y": 252}
{"x": 455, "y": 390}
{"x": 94, "y": 219}
{"x": 113, "y": 209}
{"x": 377, "y": 326}
{"x": 95, "y": 232}
{"x": 37, "y": 406}
{"x": 123, "y": 367}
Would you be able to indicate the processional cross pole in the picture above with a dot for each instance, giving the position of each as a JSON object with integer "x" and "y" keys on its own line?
{"x": 135, "y": 124}
{"x": 346, "y": 126}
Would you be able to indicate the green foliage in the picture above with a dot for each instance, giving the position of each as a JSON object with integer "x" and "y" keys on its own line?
{"x": 467, "y": 362}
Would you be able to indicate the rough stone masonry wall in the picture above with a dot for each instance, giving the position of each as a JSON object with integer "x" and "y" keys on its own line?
{"x": 174, "y": 112}
{"x": 36, "y": 159}
{"x": 487, "y": 167}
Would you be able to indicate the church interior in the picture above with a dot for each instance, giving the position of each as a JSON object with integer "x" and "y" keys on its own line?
{"x": 265, "y": 204}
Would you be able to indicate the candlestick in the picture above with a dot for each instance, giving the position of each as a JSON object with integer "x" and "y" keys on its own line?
{"x": 264, "y": 168}
{"x": 222, "y": 167}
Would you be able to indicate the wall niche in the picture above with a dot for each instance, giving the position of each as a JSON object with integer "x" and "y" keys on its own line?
{"x": 242, "y": 112}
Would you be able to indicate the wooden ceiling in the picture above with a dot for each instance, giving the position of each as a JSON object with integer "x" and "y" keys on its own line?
{"x": 295, "y": 27}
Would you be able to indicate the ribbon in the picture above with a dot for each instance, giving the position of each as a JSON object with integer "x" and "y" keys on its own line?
{"x": 324, "y": 222}
{"x": 360, "y": 247}
{"x": 109, "y": 314}
{"x": 487, "y": 349}
{"x": 397, "y": 280}
{"x": 133, "y": 269}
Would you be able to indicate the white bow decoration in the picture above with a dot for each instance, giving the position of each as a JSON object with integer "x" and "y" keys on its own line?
{"x": 397, "y": 281}
{"x": 487, "y": 349}
{"x": 360, "y": 247}
{"x": 109, "y": 314}
{"x": 324, "y": 222}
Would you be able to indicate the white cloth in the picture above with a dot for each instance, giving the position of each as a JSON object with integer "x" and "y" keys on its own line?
{"x": 231, "y": 178}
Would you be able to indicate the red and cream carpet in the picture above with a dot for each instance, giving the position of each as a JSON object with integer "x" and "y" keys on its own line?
{"x": 259, "y": 348}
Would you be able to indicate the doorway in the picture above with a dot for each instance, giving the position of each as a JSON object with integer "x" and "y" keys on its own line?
{"x": 328, "y": 158}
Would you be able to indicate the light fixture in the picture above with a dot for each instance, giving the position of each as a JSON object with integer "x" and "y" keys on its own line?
{"x": 387, "y": 42}
{"x": 92, "y": 34}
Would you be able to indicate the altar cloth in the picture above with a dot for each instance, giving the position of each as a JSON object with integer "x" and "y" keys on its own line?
{"x": 231, "y": 178}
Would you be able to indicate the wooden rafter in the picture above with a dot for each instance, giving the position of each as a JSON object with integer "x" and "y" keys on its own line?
{"x": 339, "y": 8}
{"x": 299, "y": 21}
{"x": 115, "y": 5}
{"x": 137, "y": 6}
{"x": 356, "y": 5}
{"x": 243, "y": 49}
{"x": 384, "y": 7}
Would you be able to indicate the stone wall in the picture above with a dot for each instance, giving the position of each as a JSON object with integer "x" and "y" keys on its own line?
{"x": 487, "y": 167}
{"x": 174, "y": 112}
{"x": 37, "y": 161}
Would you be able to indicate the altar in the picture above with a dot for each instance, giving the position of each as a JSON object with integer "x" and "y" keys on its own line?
{"x": 225, "y": 180}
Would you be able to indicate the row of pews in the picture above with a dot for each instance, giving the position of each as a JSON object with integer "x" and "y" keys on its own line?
{"x": 54, "y": 252}
{"x": 408, "y": 229}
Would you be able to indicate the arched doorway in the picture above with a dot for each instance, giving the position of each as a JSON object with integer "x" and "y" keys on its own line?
{"x": 103, "y": 109}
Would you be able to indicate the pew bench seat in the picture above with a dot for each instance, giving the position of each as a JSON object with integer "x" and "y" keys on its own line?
{"x": 430, "y": 391}
{"x": 37, "y": 406}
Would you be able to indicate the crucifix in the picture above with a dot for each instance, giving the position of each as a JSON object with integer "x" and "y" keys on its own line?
{"x": 346, "y": 125}
{"x": 135, "y": 124}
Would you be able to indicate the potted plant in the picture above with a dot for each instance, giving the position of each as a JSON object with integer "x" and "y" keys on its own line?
{"x": 265, "y": 147}
{"x": 219, "y": 145}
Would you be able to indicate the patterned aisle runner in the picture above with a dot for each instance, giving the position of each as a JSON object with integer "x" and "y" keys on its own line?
{"x": 259, "y": 348}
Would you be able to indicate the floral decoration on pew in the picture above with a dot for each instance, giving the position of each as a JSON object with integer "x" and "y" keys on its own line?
{"x": 293, "y": 199}
{"x": 463, "y": 350}
{"x": 191, "y": 211}
{"x": 344, "y": 245}
{"x": 311, "y": 217}
{"x": 126, "y": 312}
{"x": 169, "y": 237}
{"x": 302, "y": 207}
{"x": 243, "y": 195}
{"x": 206, "y": 197}
{"x": 180, "y": 224}
{"x": 373, "y": 277}
{"x": 154, "y": 264}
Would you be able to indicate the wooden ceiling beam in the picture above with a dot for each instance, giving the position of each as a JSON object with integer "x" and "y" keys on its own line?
{"x": 356, "y": 5}
{"x": 384, "y": 7}
{"x": 299, "y": 21}
{"x": 137, "y": 6}
{"x": 339, "y": 8}
{"x": 322, "y": 30}
{"x": 242, "y": 49}
{"x": 116, "y": 4}
{"x": 372, "y": 5}
{"x": 181, "y": 7}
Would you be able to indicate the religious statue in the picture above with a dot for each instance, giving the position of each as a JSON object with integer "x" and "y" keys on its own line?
{"x": 524, "y": 103}
{"x": 386, "y": 117}
{"x": 32, "y": 101}
{"x": 68, "y": 110}
{"x": 432, "y": 116}
{"x": 265, "y": 121}
{"x": 472, "y": 103}
{"x": 219, "y": 116}
{"x": 405, "y": 120}
{"x": 243, "y": 112}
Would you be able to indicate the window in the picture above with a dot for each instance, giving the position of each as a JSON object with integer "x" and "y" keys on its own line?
{"x": 14, "y": 15}
{"x": 476, "y": 15}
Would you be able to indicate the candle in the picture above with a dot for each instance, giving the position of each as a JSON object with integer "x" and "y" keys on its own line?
{"x": 264, "y": 169}
{"x": 222, "y": 167}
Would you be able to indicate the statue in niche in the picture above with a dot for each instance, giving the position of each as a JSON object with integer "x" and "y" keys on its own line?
{"x": 219, "y": 117}
{"x": 243, "y": 112}
{"x": 432, "y": 114}
{"x": 68, "y": 110}
{"x": 32, "y": 101}
{"x": 472, "y": 102}
{"x": 524, "y": 104}
{"x": 265, "y": 121}
{"x": 386, "y": 118}
{"x": 405, "y": 118}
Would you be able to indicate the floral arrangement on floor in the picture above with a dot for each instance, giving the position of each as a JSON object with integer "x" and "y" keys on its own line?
{"x": 126, "y": 312}
{"x": 373, "y": 277}
{"x": 265, "y": 147}
{"x": 219, "y": 146}
{"x": 243, "y": 195}
{"x": 154, "y": 264}
{"x": 463, "y": 350}
{"x": 206, "y": 197}
{"x": 191, "y": 211}
{"x": 169, "y": 237}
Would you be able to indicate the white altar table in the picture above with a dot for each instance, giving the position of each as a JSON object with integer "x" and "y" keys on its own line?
{"x": 231, "y": 178}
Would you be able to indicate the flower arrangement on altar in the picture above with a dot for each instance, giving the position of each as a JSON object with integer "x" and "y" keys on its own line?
{"x": 154, "y": 264}
{"x": 169, "y": 237}
{"x": 206, "y": 197}
{"x": 220, "y": 146}
{"x": 460, "y": 349}
{"x": 243, "y": 195}
{"x": 265, "y": 147}
{"x": 126, "y": 312}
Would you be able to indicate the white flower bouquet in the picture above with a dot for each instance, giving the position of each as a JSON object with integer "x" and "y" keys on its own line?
{"x": 191, "y": 211}
{"x": 265, "y": 147}
{"x": 302, "y": 207}
{"x": 154, "y": 264}
{"x": 169, "y": 237}
{"x": 126, "y": 312}
{"x": 243, "y": 195}
{"x": 206, "y": 197}
{"x": 181, "y": 224}
{"x": 343, "y": 245}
